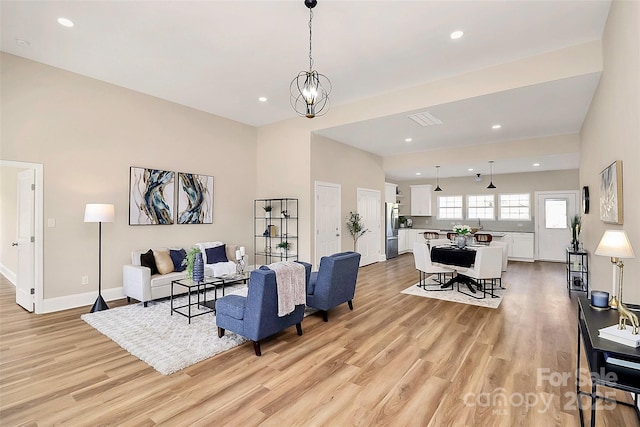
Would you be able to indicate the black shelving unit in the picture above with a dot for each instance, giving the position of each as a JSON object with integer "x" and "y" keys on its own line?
{"x": 281, "y": 225}
{"x": 577, "y": 271}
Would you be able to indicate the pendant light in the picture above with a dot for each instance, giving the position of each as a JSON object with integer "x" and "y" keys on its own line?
{"x": 437, "y": 179}
{"x": 491, "y": 183}
{"x": 310, "y": 90}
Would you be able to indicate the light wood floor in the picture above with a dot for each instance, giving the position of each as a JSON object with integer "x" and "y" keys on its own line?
{"x": 395, "y": 360}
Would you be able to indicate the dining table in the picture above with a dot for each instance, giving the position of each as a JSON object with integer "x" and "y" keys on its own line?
{"x": 452, "y": 257}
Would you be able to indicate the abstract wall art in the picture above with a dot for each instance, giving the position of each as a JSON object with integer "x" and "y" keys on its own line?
{"x": 151, "y": 196}
{"x": 195, "y": 199}
{"x": 611, "y": 193}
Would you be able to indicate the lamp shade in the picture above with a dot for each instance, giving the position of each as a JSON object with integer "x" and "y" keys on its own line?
{"x": 615, "y": 244}
{"x": 99, "y": 212}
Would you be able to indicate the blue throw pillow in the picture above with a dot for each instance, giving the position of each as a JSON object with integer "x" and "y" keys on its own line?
{"x": 217, "y": 254}
{"x": 178, "y": 256}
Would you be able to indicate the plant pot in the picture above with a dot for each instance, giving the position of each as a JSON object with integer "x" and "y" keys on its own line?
{"x": 267, "y": 214}
{"x": 461, "y": 241}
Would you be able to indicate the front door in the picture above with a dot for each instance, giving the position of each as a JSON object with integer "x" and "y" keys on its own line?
{"x": 554, "y": 211}
{"x": 25, "y": 280}
{"x": 369, "y": 206}
{"x": 327, "y": 220}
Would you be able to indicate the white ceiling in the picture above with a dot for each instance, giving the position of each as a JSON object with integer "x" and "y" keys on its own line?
{"x": 220, "y": 56}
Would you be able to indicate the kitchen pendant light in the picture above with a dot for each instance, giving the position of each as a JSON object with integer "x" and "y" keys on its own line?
{"x": 491, "y": 183}
{"x": 437, "y": 179}
{"x": 309, "y": 90}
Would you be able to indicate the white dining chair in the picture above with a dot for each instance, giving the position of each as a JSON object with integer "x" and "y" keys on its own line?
{"x": 422, "y": 259}
{"x": 505, "y": 252}
{"x": 486, "y": 270}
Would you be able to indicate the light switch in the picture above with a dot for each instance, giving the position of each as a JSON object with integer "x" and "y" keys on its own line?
{"x": 51, "y": 222}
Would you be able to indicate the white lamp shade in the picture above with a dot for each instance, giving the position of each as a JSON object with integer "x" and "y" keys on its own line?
{"x": 615, "y": 244}
{"x": 99, "y": 212}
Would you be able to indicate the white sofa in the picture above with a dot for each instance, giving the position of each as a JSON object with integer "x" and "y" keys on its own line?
{"x": 138, "y": 282}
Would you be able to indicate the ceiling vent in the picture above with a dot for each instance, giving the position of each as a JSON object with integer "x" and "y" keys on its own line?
{"x": 425, "y": 119}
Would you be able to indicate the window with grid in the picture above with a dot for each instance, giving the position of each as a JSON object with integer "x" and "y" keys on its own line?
{"x": 450, "y": 207}
{"x": 481, "y": 206}
{"x": 515, "y": 206}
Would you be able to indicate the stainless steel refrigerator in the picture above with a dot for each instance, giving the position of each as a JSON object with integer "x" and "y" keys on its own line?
{"x": 391, "y": 227}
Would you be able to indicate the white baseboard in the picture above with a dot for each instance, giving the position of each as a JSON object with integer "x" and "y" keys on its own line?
{"x": 50, "y": 305}
{"x": 10, "y": 275}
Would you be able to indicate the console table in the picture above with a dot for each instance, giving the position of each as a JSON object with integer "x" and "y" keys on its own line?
{"x": 602, "y": 373}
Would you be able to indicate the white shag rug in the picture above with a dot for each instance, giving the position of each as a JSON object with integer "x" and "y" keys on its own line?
{"x": 454, "y": 295}
{"x": 168, "y": 343}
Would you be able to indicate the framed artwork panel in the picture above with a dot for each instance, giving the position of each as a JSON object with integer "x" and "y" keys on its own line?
{"x": 611, "y": 193}
{"x": 151, "y": 196}
{"x": 195, "y": 198}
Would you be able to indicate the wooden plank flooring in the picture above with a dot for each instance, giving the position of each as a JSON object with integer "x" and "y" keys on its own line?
{"x": 396, "y": 360}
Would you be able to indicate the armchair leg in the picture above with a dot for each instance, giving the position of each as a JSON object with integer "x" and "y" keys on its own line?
{"x": 350, "y": 302}
{"x": 220, "y": 332}
{"x": 128, "y": 300}
{"x": 299, "y": 328}
{"x": 256, "y": 348}
{"x": 325, "y": 315}
{"x": 145, "y": 303}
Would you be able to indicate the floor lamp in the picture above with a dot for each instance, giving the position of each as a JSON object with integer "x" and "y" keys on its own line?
{"x": 615, "y": 244}
{"x": 99, "y": 212}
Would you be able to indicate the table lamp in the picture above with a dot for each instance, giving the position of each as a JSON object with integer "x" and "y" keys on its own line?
{"x": 615, "y": 244}
{"x": 99, "y": 212}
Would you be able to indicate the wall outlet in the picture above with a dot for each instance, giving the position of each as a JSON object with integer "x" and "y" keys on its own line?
{"x": 85, "y": 280}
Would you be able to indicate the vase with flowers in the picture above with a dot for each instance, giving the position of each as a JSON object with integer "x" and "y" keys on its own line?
{"x": 462, "y": 231}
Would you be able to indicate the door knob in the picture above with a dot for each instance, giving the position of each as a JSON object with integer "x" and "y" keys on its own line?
{"x": 14, "y": 244}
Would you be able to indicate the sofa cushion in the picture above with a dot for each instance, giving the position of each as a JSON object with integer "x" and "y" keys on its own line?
{"x": 148, "y": 260}
{"x": 216, "y": 254}
{"x": 165, "y": 280}
{"x": 177, "y": 257}
{"x": 232, "y": 305}
{"x": 204, "y": 246}
{"x": 163, "y": 261}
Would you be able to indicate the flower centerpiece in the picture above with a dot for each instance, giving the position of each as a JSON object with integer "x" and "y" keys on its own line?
{"x": 461, "y": 231}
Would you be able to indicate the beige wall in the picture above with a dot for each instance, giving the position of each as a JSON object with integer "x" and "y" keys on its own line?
{"x": 87, "y": 134}
{"x": 8, "y": 232}
{"x": 337, "y": 163}
{"x": 612, "y": 132}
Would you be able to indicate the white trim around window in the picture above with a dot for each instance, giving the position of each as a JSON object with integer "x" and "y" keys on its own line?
{"x": 450, "y": 207}
{"x": 481, "y": 206}
{"x": 514, "y": 207}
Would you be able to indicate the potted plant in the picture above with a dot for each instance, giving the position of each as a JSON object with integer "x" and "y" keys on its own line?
{"x": 284, "y": 246}
{"x": 355, "y": 227}
{"x": 267, "y": 211}
{"x": 403, "y": 221}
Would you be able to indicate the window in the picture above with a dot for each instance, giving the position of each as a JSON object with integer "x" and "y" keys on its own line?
{"x": 515, "y": 207}
{"x": 450, "y": 207}
{"x": 555, "y": 213}
{"x": 481, "y": 206}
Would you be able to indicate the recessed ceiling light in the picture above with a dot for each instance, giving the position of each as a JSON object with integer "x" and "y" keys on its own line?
{"x": 496, "y": 126}
{"x": 536, "y": 164}
{"x": 470, "y": 169}
{"x": 262, "y": 99}
{"x": 22, "y": 42}
{"x": 418, "y": 173}
{"x": 456, "y": 34}
{"x": 408, "y": 139}
{"x": 65, "y": 22}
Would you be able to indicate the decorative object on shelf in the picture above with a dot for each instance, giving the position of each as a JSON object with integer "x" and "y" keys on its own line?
{"x": 284, "y": 246}
{"x": 461, "y": 231}
{"x": 611, "y": 193}
{"x": 99, "y": 212}
{"x": 438, "y": 179}
{"x": 267, "y": 250}
{"x": 585, "y": 200}
{"x": 491, "y": 186}
{"x": 355, "y": 227}
{"x": 151, "y": 196}
{"x": 240, "y": 254}
{"x": 267, "y": 211}
{"x": 600, "y": 299}
{"x": 575, "y": 231}
{"x": 284, "y": 214}
{"x": 309, "y": 90}
{"x": 616, "y": 244}
{"x": 195, "y": 199}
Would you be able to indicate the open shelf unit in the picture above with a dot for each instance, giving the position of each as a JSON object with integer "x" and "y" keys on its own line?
{"x": 269, "y": 230}
{"x": 577, "y": 271}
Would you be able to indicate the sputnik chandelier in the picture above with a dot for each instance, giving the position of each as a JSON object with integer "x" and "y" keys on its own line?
{"x": 309, "y": 89}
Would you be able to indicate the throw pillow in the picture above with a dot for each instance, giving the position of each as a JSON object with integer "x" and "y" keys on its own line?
{"x": 163, "y": 261}
{"x": 147, "y": 260}
{"x": 216, "y": 254}
{"x": 178, "y": 256}
{"x": 231, "y": 252}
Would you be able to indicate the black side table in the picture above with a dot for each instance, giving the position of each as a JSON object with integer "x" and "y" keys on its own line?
{"x": 577, "y": 271}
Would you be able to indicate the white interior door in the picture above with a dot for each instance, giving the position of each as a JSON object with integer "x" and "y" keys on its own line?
{"x": 369, "y": 206}
{"x": 327, "y": 220}
{"x": 554, "y": 211}
{"x": 25, "y": 280}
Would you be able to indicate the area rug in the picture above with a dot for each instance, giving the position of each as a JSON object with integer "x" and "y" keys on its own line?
{"x": 168, "y": 343}
{"x": 455, "y": 296}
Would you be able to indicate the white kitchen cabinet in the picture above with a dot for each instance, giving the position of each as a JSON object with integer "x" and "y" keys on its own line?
{"x": 521, "y": 246}
{"x": 421, "y": 200}
{"x": 403, "y": 240}
{"x": 390, "y": 192}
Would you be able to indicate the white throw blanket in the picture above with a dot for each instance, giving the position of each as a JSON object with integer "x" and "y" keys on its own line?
{"x": 290, "y": 278}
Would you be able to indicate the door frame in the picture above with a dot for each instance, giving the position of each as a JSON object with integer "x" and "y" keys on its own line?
{"x": 38, "y": 222}
{"x": 316, "y": 260}
{"x": 537, "y": 222}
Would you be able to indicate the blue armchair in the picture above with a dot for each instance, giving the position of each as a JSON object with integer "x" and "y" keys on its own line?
{"x": 256, "y": 315}
{"x": 334, "y": 283}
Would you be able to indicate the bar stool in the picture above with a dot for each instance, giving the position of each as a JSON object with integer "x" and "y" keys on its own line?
{"x": 483, "y": 238}
{"x": 429, "y": 236}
